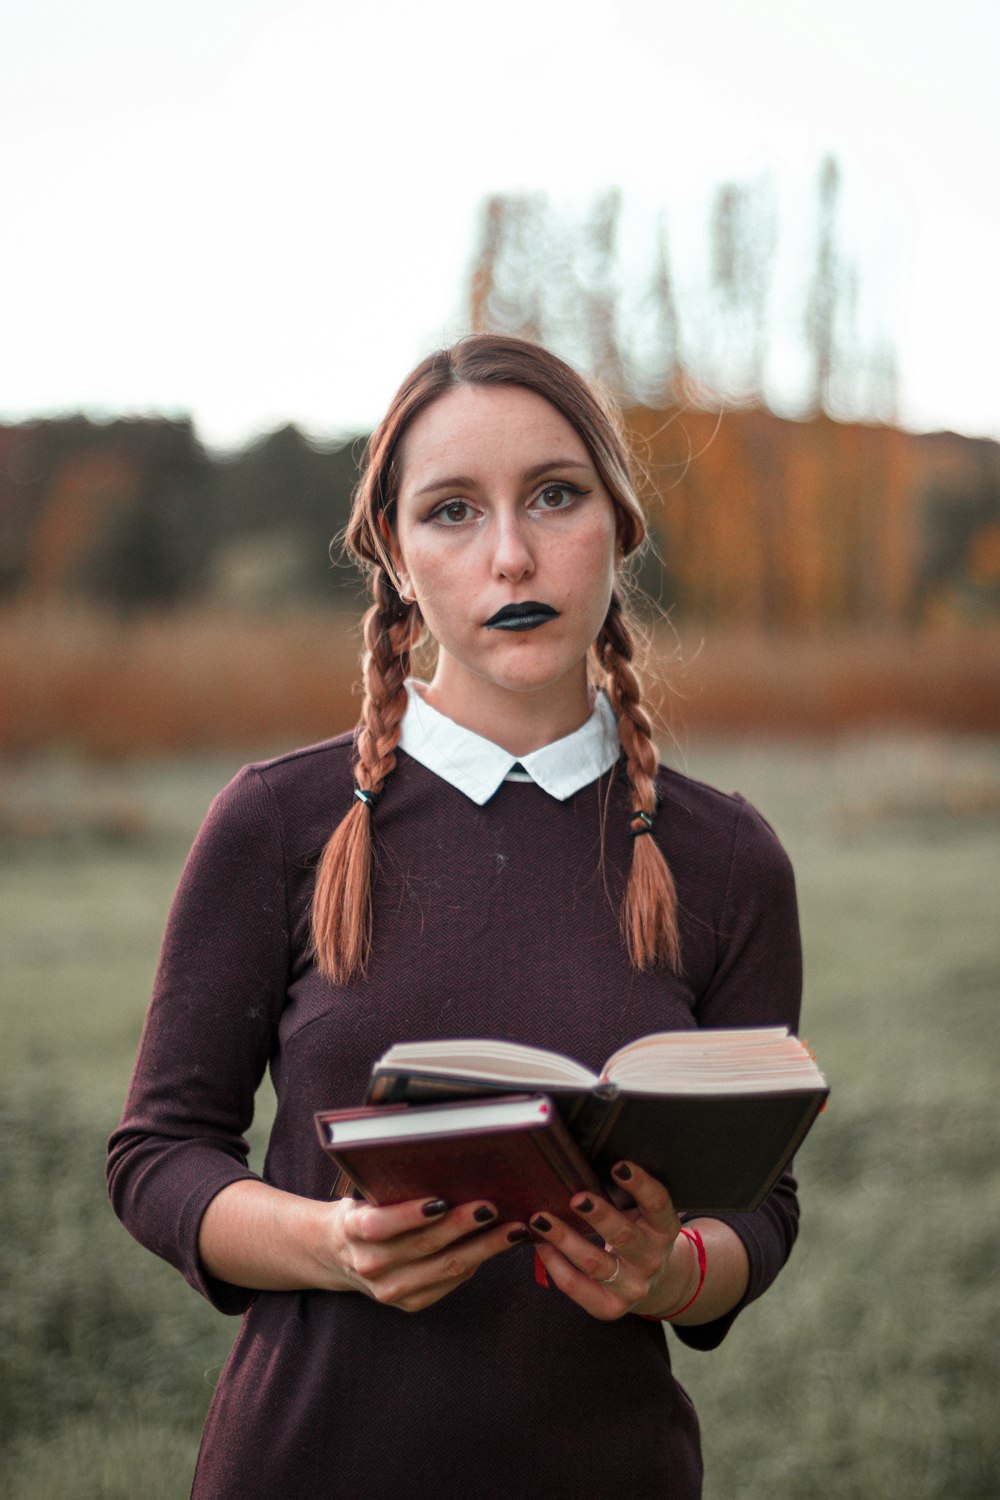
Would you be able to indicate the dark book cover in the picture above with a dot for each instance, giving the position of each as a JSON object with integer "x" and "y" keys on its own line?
{"x": 721, "y": 1154}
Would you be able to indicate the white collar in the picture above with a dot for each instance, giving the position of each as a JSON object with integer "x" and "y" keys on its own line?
{"x": 477, "y": 767}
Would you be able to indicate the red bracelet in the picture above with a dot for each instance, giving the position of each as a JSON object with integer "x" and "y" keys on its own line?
{"x": 699, "y": 1250}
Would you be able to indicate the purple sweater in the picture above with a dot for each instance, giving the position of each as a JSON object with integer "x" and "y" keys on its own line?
{"x": 492, "y": 921}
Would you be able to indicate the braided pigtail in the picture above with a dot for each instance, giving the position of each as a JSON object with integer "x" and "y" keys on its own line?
{"x": 649, "y": 910}
{"x": 342, "y": 903}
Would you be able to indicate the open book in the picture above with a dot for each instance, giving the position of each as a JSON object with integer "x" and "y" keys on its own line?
{"x": 716, "y": 1115}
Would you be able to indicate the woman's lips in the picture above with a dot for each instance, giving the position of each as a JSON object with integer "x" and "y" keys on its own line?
{"x": 526, "y": 616}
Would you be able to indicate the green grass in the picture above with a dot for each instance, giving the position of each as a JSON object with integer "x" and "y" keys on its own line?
{"x": 870, "y": 1370}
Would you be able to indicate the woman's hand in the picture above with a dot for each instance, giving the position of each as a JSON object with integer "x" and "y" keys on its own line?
{"x": 406, "y": 1256}
{"x": 646, "y": 1265}
{"x": 413, "y": 1254}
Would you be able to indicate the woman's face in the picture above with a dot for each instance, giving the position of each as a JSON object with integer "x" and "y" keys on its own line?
{"x": 506, "y": 537}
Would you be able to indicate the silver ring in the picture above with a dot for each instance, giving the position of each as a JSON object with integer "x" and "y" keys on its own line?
{"x": 610, "y": 1280}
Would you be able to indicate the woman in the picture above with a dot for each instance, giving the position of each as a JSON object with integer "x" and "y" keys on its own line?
{"x": 505, "y": 859}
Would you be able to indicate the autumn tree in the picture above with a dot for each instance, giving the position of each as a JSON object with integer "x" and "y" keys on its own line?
{"x": 744, "y": 240}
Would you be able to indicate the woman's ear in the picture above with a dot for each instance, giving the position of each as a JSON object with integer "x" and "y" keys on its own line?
{"x": 399, "y": 574}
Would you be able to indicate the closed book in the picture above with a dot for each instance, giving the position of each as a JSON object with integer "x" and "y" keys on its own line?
{"x": 716, "y": 1115}
{"x": 513, "y": 1150}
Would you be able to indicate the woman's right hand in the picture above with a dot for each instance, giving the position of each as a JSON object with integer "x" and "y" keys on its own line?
{"x": 412, "y": 1254}
{"x": 407, "y": 1256}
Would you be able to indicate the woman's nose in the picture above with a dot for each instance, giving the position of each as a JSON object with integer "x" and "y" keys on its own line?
{"x": 512, "y": 554}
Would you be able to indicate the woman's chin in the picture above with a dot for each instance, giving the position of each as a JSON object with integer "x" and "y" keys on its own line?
{"x": 525, "y": 678}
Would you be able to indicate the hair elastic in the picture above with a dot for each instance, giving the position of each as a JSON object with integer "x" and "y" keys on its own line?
{"x": 646, "y": 821}
{"x": 368, "y": 797}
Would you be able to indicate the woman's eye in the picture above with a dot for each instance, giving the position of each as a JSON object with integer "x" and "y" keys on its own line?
{"x": 452, "y": 512}
{"x": 556, "y": 496}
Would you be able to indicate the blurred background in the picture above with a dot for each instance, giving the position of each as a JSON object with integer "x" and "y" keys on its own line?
{"x": 771, "y": 232}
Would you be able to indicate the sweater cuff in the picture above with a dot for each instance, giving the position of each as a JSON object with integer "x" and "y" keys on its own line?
{"x": 160, "y": 1191}
{"x": 761, "y": 1273}
{"x": 223, "y": 1295}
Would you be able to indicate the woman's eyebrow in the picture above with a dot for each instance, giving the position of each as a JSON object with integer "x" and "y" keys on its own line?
{"x": 537, "y": 470}
{"x": 464, "y": 481}
{"x": 455, "y": 482}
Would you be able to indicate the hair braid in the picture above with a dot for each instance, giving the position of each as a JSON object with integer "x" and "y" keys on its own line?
{"x": 649, "y": 909}
{"x": 342, "y": 903}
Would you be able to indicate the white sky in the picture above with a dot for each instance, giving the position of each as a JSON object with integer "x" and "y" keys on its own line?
{"x": 258, "y": 212}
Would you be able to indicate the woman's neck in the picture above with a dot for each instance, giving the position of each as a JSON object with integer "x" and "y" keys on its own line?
{"x": 517, "y": 721}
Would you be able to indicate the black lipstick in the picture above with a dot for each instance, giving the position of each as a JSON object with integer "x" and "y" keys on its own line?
{"x": 526, "y": 616}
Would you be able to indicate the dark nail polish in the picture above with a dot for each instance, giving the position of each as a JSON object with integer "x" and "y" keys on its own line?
{"x": 585, "y": 1207}
{"x": 540, "y": 1222}
{"x": 483, "y": 1215}
{"x": 434, "y": 1209}
{"x": 624, "y": 1171}
{"x": 518, "y": 1236}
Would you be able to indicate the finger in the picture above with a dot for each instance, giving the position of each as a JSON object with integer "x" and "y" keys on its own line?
{"x": 599, "y": 1301}
{"x": 375, "y": 1259}
{"x": 419, "y": 1283}
{"x": 373, "y": 1224}
{"x": 457, "y": 1261}
{"x": 631, "y": 1235}
{"x": 603, "y": 1265}
{"x": 651, "y": 1197}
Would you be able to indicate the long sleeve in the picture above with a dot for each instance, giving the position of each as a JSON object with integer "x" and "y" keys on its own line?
{"x": 757, "y": 982}
{"x": 219, "y": 989}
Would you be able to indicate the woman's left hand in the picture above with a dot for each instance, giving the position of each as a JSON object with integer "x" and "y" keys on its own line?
{"x": 646, "y": 1265}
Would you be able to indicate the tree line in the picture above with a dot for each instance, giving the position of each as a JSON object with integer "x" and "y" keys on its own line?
{"x": 755, "y": 520}
{"x": 135, "y": 514}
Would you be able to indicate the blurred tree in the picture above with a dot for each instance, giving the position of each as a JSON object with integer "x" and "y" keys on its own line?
{"x": 118, "y": 510}
{"x": 598, "y": 308}
{"x": 744, "y": 241}
{"x": 149, "y": 556}
{"x": 824, "y": 293}
{"x": 959, "y": 513}
{"x": 506, "y": 284}
{"x": 652, "y": 356}
{"x": 536, "y": 273}
{"x": 134, "y": 514}
{"x": 21, "y": 498}
{"x": 297, "y": 494}
{"x": 484, "y": 262}
{"x": 838, "y": 365}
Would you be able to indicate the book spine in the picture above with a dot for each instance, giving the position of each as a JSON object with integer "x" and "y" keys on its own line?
{"x": 597, "y": 1115}
{"x": 563, "y": 1154}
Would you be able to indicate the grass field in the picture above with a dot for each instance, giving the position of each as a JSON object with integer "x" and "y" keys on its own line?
{"x": 870, "y": 1370}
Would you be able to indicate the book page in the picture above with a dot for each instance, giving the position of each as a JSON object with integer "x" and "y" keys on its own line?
{"x": 754, "y": 1060}
{"x": 489, "y": 1060}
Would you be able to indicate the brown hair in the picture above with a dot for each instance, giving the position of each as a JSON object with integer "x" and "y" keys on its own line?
{"x": 342, "y": 905}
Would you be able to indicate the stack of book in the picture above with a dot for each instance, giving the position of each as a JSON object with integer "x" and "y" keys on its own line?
{"x": 714, "y": 1115}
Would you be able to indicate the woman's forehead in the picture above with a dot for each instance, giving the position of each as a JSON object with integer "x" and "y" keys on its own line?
{"x": 482, "y": 426}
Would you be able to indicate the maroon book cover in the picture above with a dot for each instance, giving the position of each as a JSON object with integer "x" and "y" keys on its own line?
{"x": 513, "y": 1151}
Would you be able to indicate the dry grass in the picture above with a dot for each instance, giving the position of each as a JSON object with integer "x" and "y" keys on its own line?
{"x": 182, "y": 682}
{"x": 208, "y": 680}
{"x": 718, "y": 684}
